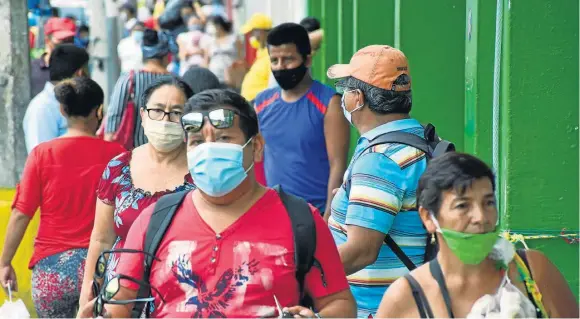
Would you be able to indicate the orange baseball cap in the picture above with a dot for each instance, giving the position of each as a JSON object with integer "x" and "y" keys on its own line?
{"x": 377, "y": 65}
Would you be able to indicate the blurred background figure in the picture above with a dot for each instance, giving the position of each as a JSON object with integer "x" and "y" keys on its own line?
{"x": 56, "y": 31}
{"x": 223, "y": 47}
{"x": 82, "y": 37}
{"x": 129, "y": 49}
{"x": 257, "y": 78}
{"x": 127, "y": 14}
{"x": 130, "y": 87}
{"x": 191, "y": 44}
{"x": 315, "y": 32}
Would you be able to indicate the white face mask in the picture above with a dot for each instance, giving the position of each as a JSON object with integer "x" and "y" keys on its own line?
{"x": 164, "y": 136}
{"x": 211, "y": 30}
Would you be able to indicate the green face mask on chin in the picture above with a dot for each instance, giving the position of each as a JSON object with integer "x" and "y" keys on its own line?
{"x": 471, "y": 249}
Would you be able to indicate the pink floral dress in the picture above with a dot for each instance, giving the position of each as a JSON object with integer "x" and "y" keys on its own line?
{"x": 116, "y": 189}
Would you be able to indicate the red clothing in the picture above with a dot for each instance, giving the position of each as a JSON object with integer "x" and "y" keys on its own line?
{"x": 116, "y": 189}
{"x": 60, "y": 177}
{"x": 31, "y": 39}
{"x": 260, "y": 173}
{"x": 235, "y": 273}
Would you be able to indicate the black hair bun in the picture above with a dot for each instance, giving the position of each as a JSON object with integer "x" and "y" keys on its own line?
{"x": 66, "y": 95}
{"x": 150, "y": 38}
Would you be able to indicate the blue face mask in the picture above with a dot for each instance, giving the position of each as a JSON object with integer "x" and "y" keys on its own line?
{"x": 346, "y": 113}
{"x": 217, "y": 168}
{"x": 137, "y": 36}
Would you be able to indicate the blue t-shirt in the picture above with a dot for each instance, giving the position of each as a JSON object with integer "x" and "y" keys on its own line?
{"x": 382, "y": 197}
{"x": 295, "y": 154}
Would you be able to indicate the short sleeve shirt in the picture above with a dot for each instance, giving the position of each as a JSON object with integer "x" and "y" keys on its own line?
{"x": 235, "y": 273}
{"x": 60, "y": 177}
{"x": 382, "y": 197}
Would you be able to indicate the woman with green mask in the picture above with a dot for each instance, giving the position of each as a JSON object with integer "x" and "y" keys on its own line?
{"x": 476, "y": 274}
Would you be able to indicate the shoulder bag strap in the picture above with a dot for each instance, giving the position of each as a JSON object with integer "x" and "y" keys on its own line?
{"x": 420, "y": 299}
{"x": 437, "y": 273}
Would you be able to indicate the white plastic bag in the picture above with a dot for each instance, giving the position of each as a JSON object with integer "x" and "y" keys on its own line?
{"x": 13, "y": 309}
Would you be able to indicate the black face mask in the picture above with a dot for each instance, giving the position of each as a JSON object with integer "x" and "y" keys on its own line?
{"x": 289, "y": 78}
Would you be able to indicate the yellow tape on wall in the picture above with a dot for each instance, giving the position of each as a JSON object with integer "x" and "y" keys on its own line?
{"x": 23, "y": 254}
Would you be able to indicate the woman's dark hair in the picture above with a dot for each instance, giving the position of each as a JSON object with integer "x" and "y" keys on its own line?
{"x": 286, "y": 33}
{"x": 163, "y": 81}
{"x": 219, "y": 20}
{"x": 382, "y": 101}
{"x": 200, "y": 79}
{"x": 84, "y": 28}
{"x": 155, "y": 45}
{"x": 79, "y": 96}
{"x": 150, "y": 37}
{"x": 211, "y": 99}
{"x": 450, "y": 171}
{"x": 310, "y": 24}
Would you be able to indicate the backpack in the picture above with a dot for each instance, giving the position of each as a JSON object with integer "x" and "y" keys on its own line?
{"x": 432, "y": 145}
{"x": 303, "y": 228}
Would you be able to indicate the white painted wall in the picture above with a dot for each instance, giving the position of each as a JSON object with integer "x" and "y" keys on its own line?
{"x": 279, "y": 10}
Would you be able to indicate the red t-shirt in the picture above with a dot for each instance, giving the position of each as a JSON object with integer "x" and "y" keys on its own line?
{"x": 235, "y": 273}
{"x": 60, "y": 177}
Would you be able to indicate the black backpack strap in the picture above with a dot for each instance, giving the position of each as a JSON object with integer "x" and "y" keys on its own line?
{"x": 161, "y": 218}
{"x": 437, "y": 273}
{"x": 399, "y": 252}
{"x": 420, "y": 299}
{"x": 401, "y": 137}
{"x": 304, "y": 231}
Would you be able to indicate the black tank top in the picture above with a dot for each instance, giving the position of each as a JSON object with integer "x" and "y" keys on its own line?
{"x": 423, "y": 304}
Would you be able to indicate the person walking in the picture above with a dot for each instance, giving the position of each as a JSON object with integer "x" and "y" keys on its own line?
{"x": 60, "y": 176}
{"x": 138, "y": 178}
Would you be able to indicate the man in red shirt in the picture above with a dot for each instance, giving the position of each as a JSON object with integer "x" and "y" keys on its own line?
{"x": 229, "y": 250}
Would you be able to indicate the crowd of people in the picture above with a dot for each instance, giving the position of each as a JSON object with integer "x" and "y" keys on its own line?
{"x": 206, "y": 191}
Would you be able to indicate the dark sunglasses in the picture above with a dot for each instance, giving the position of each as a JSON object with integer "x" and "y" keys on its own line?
{"x": 219, "y": 118}
{"x": 111, "y": 289}
{"x": 101, "y": 266}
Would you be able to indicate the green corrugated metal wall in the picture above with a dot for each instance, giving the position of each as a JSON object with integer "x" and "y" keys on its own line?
{"x": 450, "y": 45}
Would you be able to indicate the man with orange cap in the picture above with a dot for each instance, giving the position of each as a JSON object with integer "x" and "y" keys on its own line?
{"x": 257, "y": 78}
{"x": 377, "y": 197}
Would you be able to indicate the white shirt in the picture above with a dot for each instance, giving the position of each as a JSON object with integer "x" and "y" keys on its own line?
{"x": 130, "y": 54}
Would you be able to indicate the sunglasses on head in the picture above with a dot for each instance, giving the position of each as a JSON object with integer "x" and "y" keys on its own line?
{"x": 219, "y": 118}
{"x": 101, "y": 266}
{"x": 111, "y": 289}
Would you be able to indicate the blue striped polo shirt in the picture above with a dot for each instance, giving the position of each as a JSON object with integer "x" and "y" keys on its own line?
{"x": 295, "y": 153}
{"x": 382, "y": 197}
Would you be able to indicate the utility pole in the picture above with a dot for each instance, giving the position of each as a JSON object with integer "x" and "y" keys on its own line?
{"x": 14, "y": 88}
{"x": 104, "y": 30}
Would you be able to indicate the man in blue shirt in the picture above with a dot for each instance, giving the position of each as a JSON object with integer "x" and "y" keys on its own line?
{"x": 306, "y": 135}
{"x": 378, "y": 194}
{"x": 43, "y": 120}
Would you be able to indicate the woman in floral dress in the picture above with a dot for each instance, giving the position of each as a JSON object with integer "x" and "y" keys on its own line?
{"x": 136, "y": 179}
